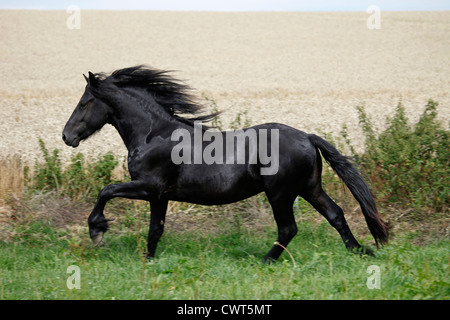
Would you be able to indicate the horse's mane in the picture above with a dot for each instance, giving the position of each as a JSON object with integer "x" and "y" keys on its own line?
{"x": 170, "y": 93}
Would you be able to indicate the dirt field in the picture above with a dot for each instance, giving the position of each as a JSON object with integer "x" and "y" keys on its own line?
{"x": 308, "y": 70}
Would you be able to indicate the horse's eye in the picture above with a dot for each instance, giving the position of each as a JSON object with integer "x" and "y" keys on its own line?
{"x": 84, "y": 103}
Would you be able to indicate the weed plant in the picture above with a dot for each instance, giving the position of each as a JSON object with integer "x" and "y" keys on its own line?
{"x": 408, "y": 164}
{"x": 80, "y": 179}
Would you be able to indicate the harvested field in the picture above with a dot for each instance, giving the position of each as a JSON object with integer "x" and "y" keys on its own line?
{"x": 308, "y": 70}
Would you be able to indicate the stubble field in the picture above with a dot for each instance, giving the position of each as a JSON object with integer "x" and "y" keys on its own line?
{"x": 307, "y": 70}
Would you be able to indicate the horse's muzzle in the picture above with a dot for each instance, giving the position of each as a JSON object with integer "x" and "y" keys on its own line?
{"x": 70, "y": 140}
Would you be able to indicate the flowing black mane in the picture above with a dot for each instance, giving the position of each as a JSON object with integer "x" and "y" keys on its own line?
{"x": 170, "y": 93}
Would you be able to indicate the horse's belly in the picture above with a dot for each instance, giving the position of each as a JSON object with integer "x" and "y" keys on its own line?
{"x": 216, "y": 186}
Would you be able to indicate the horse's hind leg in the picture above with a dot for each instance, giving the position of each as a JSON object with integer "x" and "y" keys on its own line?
{"x": 334, "y": 214}
{"x": 287, "y": 228}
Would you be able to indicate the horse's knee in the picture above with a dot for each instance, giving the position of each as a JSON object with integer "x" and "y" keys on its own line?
{"x": 287, "y": 233}
{"x": 293, "y": 230}
{"x": 106, "y": 193}
{"x": 337, "y": 219}
{"x": 155, "y": 233}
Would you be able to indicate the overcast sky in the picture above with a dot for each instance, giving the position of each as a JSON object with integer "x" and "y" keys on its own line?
{"x": 229, "y": 5}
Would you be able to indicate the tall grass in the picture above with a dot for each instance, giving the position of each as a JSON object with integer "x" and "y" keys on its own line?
{"x": 12, "y": 179}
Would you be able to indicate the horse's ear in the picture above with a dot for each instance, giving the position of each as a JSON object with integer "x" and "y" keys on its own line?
{"x": 85, "y": 78}
{"x": 92, "y": 79}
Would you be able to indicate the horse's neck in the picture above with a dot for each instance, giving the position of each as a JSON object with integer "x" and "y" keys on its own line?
{"x": 137, "y": 126}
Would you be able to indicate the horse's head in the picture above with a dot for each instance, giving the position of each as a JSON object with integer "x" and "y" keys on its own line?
{"x": 90, "y": 115}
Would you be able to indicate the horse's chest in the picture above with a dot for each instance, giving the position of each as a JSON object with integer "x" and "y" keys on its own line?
{"x": 144, "y": 167}
{"x": 136, "y": 164}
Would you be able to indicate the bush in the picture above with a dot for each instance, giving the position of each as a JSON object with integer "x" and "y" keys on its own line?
{"x": 47, "y": 175}
{"x": 80, "y": 179}
{"x": 408, "y": 165}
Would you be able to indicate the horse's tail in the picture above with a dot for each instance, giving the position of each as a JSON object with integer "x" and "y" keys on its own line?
{"x": 357, "y": 186}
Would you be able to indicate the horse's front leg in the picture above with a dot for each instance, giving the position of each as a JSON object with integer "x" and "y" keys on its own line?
{"x": 97, "y": 222}
{"x": 157, "y": 220}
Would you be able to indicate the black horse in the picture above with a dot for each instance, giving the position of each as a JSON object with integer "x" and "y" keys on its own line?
{"x": 146, "y": 106}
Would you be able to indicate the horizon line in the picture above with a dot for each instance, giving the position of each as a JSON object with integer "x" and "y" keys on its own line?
{"x": 223, "y": 10}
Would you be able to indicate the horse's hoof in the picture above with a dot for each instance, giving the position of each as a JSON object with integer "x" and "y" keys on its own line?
{"x": 268, "y": 260}
{"x": 97, "y": 239}
{"x": 368, "y": 251}
{"x": 363, "y": 250}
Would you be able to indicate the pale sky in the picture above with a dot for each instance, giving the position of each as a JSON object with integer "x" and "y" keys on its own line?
{"x": 229, "y": 5}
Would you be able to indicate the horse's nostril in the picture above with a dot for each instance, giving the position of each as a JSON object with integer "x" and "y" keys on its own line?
{"x": 64, "y": 137}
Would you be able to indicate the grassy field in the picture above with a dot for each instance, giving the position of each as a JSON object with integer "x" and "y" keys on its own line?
{"x": 224, "y": 265}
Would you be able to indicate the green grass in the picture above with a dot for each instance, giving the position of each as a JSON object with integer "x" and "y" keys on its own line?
{"x": 218, "y": 266}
